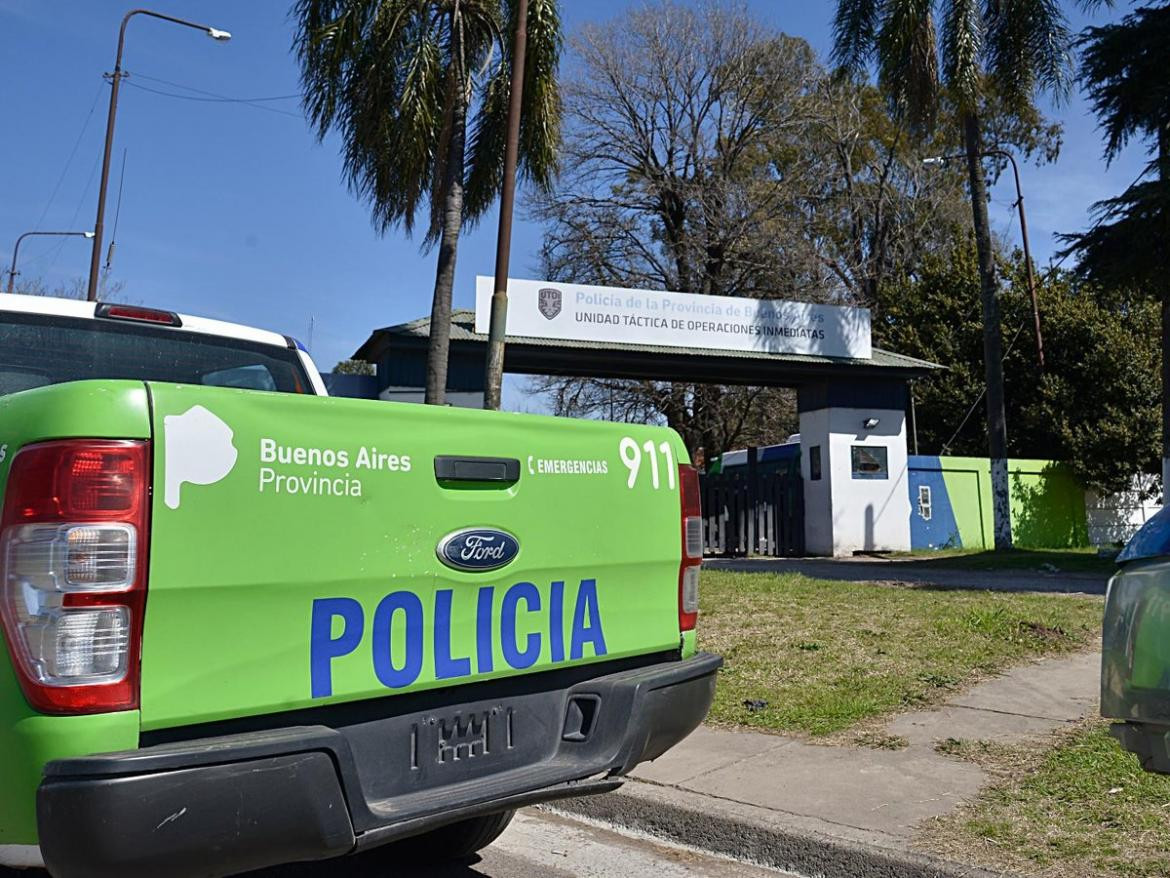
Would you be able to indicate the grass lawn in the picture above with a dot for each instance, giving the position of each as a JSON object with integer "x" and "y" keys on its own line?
{"x": 1065, "y": 560}
{"x": 826, "y": 656}
{"x": 1082, "y": 808}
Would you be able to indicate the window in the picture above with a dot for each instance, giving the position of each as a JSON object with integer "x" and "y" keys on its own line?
{"x": 814, "y": 463}
{"x": 870, "y": 462}
{"x": 256, "y": 377}
{"x": 924, "y": 509}
{"x": 39, "y": 349}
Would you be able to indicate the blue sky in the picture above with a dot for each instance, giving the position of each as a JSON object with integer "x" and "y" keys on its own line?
{"x": 237, "y": 212}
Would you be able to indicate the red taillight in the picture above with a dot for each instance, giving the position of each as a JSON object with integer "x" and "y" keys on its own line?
{"x": 140, "y": 315}
{"x": 692, "y": 547}
{"x": 73, "y": 537}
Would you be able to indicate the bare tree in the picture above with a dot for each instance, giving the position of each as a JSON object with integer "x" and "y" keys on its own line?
{"x": 666, "y": 179}
{"x": 871, "y": 207}
{"x": 704, "y": 153}
{"x": 74, "y": 288}
{"x": 714, "y": 418}
{"x": 873, "y": 210}
{"x": 668, "y": 182}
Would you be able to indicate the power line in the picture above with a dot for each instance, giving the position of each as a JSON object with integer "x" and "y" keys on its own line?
{"x": 208, "y": 97}
{"x": 982, "y": 393}
{"x": 170, "y": 94}
{"x": 72, "y": 155}
{"x": 76, "y": 212}
{"x": 118, "y": 210}
{"x": 117, "y": 216}
{"x": 297, "y": 96}
{"x": 199, "y": 95}
{"x": 1052, "y": 267}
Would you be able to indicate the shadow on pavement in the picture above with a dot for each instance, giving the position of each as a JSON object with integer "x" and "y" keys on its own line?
{"x": 1012, "y": 561}
{"x": 345, "y": 867}
{"x": 917, "y": 573}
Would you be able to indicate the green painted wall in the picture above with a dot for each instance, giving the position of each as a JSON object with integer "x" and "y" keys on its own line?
{"x": 1048, "y": 504}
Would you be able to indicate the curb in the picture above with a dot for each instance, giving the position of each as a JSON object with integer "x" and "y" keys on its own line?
{"x": 757, "y": 835}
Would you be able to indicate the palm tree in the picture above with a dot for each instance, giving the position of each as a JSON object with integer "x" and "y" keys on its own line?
{"x": 418, "y": 91}
{"x": 1012, "y": 48}
{"x": 1124, "y": 72}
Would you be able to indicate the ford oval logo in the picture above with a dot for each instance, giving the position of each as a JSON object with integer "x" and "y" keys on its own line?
{"x": 477, "y": 548}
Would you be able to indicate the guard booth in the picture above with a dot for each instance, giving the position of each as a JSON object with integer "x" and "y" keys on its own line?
{"x": 847, "y": 493}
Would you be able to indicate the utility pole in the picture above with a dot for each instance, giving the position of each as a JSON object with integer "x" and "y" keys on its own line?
{"x": 1027, "y": 253}
{"x": 992, "y": 341}
{"x": 95, "y": 260}
{"x": 1019, "y": 205}
{"x": 494, "y": 371}
{"x": 913, "y": 416}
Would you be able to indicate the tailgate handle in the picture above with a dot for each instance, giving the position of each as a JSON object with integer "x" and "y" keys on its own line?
{"x": 452, "y": 468}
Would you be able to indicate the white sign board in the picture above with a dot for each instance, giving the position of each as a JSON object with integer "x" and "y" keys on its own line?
{"x": 540, "y": 309}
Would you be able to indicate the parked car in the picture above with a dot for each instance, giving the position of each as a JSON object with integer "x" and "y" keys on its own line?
{"x": 1135, "y": 662}
{"x": 247, "y": 624}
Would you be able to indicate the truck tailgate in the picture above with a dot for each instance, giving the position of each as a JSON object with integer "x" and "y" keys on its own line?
{"x": 294, "y": 554}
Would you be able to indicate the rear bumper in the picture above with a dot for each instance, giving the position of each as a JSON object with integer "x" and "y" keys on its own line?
{"x": 221, "y": 805}
{"x": 1149, "y": 743}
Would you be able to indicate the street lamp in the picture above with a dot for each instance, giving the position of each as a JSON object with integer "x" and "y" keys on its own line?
{"x": 12, "y": 272}
{"x": 1002, "y": 153}
{"x": 99, "y": 224}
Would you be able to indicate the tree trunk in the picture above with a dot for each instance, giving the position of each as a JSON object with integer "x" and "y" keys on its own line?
{"x": 992, "y": 336}
{"x": 440, "y": 340}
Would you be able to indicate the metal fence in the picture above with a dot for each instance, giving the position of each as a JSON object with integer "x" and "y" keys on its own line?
{"x": 742, "y": 516}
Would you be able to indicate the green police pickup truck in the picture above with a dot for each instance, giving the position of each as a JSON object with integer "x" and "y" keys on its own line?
{"x": 246, "y": 624}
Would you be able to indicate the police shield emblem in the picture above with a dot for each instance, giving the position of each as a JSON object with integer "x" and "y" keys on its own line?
{"x": 549, "y": 302}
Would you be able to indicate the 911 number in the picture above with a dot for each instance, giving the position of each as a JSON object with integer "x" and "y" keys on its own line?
{"x": 631, "y": 454}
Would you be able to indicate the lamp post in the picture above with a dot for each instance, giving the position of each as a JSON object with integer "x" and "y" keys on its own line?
{"x": 1002, "y": 153}
{"x": 12, "y": 272}
{"x": 116, "y": 79}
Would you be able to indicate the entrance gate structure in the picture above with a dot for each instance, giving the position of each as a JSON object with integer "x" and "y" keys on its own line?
{"x": 753, "y": 514}
{"x": 853, "y": 490}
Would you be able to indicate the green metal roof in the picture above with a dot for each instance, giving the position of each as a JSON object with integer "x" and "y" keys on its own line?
{"x": 463, "y": 331}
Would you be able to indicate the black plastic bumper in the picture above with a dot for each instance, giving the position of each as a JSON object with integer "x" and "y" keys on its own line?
{"x": 222, "y": 805}
{"x": 1149, "y": 743}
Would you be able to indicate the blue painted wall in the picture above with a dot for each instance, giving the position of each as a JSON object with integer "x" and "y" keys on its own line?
{"x": 932, "y": 518}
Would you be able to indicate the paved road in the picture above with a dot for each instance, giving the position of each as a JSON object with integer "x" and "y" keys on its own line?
{"x": 543, "y": 845}
{"x": 919, "y": 573}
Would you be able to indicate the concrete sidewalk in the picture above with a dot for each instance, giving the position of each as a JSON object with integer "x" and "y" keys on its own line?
{"x": 838, "y": 810}
{"x": 917, "y": 572}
